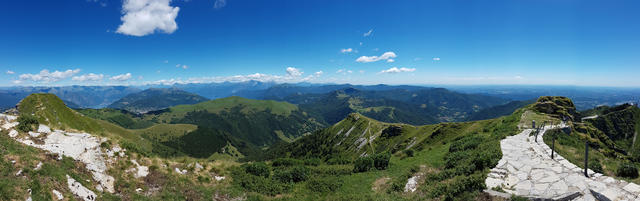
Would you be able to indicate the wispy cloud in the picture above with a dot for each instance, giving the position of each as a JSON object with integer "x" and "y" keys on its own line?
{"x": 144, "y": 17}
{"x": 347, "y": 50}
{"x": 88, "y": 77}
{"x": 398, "y": 70}
{"x": 121, "y": 77}
{"x": 436, "y": 58}
{"x": 368, "y": 33}
{"x": 48, "y": 77}
{"x": 219, "y": 4}
{"x": 384, "y": 56}
{"x": 10, "y": 72}
{"x": 182, "y": 66}
{"x": 292, "y": 75}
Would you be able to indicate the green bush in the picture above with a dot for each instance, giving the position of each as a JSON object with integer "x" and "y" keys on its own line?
{"x": 362, "y": 164}
{"x": 258, "y": 169}
{"x": 279, "y": 162}
{"x": 595, "y": 166}
{"x": 332, "y": 170}
{"x": 259, "y": 184}
{"x": 325, "y": 184}
{"x": 312, "y": 161}
{"x": 339, "y": 160}
{"x": 627, "y": 170}
{"x": 409, "y": 152}
{"x": 26, "y": 123}
{"x": 381, "y": 160}
{"x": 295, "y": 174}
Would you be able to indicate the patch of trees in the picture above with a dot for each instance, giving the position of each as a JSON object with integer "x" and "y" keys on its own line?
{"x": 378, "y": 161}
{"x": 391, "y": 131}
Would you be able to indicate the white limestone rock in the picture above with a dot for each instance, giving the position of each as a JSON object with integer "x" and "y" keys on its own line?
{"x": 412, "y": 184}
{"x": 79, "y": 190}
{"x": 142, "y": 171}
{"x": 58, "y": 194}
{"x": 34, "y": 134}
{"x": 44, "y": 129}
{"x": 219, "y": 178}
{"x": 13, "y": 133}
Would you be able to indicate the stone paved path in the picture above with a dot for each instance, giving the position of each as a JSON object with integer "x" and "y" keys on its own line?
{"x": 526, "y": 169}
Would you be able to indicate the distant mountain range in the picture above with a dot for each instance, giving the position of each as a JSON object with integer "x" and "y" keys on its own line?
{"x": 156, "y": 99}
{"x": 103, "y": 96}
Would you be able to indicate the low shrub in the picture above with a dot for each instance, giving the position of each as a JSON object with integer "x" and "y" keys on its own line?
{"x": 409, "y": 152}
{"x": 362, "y": 164}
{"x": 259, "y": 184}
{"x": 627, "y": 170}
{"x": 595, "y": 166}
{"x": 312, "y": 161}
{"x": 279, "y": 162}
{"x": 258, "y": 169}
{"x": 26, "y": 123}
{"x": 332, "y": 170}
{"x": 324, "y": 184}
{"x": 295, "y": 174}
{"x": 339, "y": 160}
{"x": 381, "y": 160}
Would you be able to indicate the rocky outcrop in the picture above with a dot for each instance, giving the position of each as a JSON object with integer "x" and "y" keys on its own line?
{"x": 78, "y": 190}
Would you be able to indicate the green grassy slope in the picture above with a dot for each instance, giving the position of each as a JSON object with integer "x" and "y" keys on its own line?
{"x": 121, "y": 118}
{"x": 246, "y": 124}
{"x": 453, "y": 158}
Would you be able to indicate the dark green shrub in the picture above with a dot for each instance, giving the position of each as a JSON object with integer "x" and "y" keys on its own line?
{"x": 396, "y": 187}
{"x": 595, "y": 166}
{"x": 312, "y": 161}
{"x": 333, "y": 170}
{"x": 627, "y": 170}
{"x": 362, "y": 164}
{"x": 339, "y": 160}
{"x": 258, "y": 169}
{"x": 325, "y": 184}
{"x": 381, "y": 160}
{"x": 259, "y": 184}
{"x": 391, "y": 131}
{"x": 409, "y": 152}
{"x": 286, "y": 162}
{"x": 26, "y": 123}
{"x": 295, "y": 174}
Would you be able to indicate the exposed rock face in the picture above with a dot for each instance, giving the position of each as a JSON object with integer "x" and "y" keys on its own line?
{"x": 412, "y": 184}
{"x": 79, "y": 146}
{"x": 58, "y": 194}
{"x": 140, "y": 171}
{"x": 78, "y": 190}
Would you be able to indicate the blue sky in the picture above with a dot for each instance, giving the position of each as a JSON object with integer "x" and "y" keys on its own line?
{"x": 132, "y": 42}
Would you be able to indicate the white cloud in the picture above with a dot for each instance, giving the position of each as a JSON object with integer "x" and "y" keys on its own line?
{"x": 88, "y": 77}
{"x": 294, "y": 72}
{"x": 47, "y": 77}
{"x": 398, "y": 70}
{"x": 390, "y": 60}
{"x": 121, "y": 77}
{"x": 436, "y": 58}
{"x": 344, "y": 71}
{"x": 368, "y": 33}
{"x": 517, "y": 77}
{"x": 166, "y": 61}
{"x": 182, "y": 66}
{"x": 348, "y": 50}
{"x": 385, "y": 56}
{"x": 360, "y": 43}
{"x": 144, "y": 17}
{"x": 10, "y": 72}
{"x": 319, "y": 73}
{"x": 219, "y": 4}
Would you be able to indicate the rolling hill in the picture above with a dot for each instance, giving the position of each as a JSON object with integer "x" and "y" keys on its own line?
{"x": 418, "y": 107}
{"x": 242, "y": 123}
{"x": 156, "y": 99}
